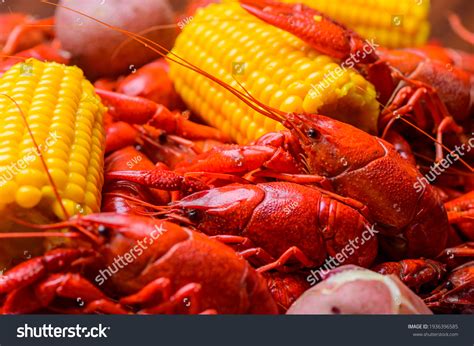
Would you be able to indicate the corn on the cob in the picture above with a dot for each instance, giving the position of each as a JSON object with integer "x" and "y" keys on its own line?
{"x": 277, "y": 68}
{"x": 392, "y": 23}
{"x": 66, "y": 119}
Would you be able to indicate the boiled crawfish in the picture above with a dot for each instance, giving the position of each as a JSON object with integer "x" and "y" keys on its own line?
{"x": 286, "y": 220}
{"x": 170, "y": 265}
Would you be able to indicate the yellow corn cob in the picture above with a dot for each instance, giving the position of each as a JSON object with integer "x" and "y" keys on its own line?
{"x": 392, "y": 23}
{"x": 274, "y": 66}
{"x": 66, "y": 119}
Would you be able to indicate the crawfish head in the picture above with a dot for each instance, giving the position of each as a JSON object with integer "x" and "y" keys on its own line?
{"x": 161, "y": 249}
{"x": 122, "y": 234}
{"x": 369, "y": 170}
{"x": 229, "y": 207}
{"x": 331, "y": 147}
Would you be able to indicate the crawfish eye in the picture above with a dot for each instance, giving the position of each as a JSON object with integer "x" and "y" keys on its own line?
{"x": 449, "y": 285}
{"x": 312, "y": 133}
{"x": 103, "y": 231}
{"x": 163, "y": 138}
{"x": 193, "y": 215}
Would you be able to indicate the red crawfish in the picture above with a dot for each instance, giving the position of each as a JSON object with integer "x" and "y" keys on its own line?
{"x": 284, "y": 220}
{"x": 165, "y": 266}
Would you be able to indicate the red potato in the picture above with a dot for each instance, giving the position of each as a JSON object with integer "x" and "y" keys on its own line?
{"x": 354, "y": 290}
{"x": 97, "y": 49}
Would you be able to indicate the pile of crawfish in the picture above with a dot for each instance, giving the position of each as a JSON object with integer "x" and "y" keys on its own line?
{"x": 192, "y": 223}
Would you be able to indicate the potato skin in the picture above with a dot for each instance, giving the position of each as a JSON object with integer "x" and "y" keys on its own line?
{"x": 93, "y": 45}
{"x": 354, "y": 290}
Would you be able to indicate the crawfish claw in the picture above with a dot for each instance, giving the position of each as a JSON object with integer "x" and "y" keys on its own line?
{"x": 322, "y": 33}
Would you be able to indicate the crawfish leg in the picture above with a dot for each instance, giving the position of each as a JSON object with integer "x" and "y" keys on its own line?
{"x": 407, "y": 101}
{"x": 67, "y": 286}
{"x": 296, "y": 178}
{"x": 187, "y": 296}
{"x": 36, "y": 268}
{"x": 461, "y": 212}
{"x": 463, "y": 250}
{"x": 402, "y": 104}
{"x": 159, "y": 179}
{"x": 33, "y": 298}
{"x": 179, "y": 124}
{"x": 447, "y": 125}
{"x": 245, "y": 248}
{"x": 310, "y": 25}
{"x": 88, "y": 297}
{"x": 292, "y": 253}
{"x": 21, "y": 301}
{"x": 156, "y": 291}
{"x": 234, "y": 240}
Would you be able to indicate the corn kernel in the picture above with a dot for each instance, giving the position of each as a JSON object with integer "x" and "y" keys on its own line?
{"x": 386, "y": 21}
{"x": 28, "y": 196}
{"x": 276, "y": 68}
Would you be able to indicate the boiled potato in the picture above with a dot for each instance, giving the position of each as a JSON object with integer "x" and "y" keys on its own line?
{"x": 101, "y": 51}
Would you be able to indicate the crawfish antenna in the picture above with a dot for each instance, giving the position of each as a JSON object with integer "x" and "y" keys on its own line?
{"x": 58, "y": 225}
{"x": 460, "y": 29}
{"x": 136, "y": 201}
{"x": 435, "y": 140}
{"x": 271, "y": 112}
{"x": 141, "y": 33}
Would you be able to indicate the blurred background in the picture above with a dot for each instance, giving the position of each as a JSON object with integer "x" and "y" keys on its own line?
{"x": 441, "y": 31}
